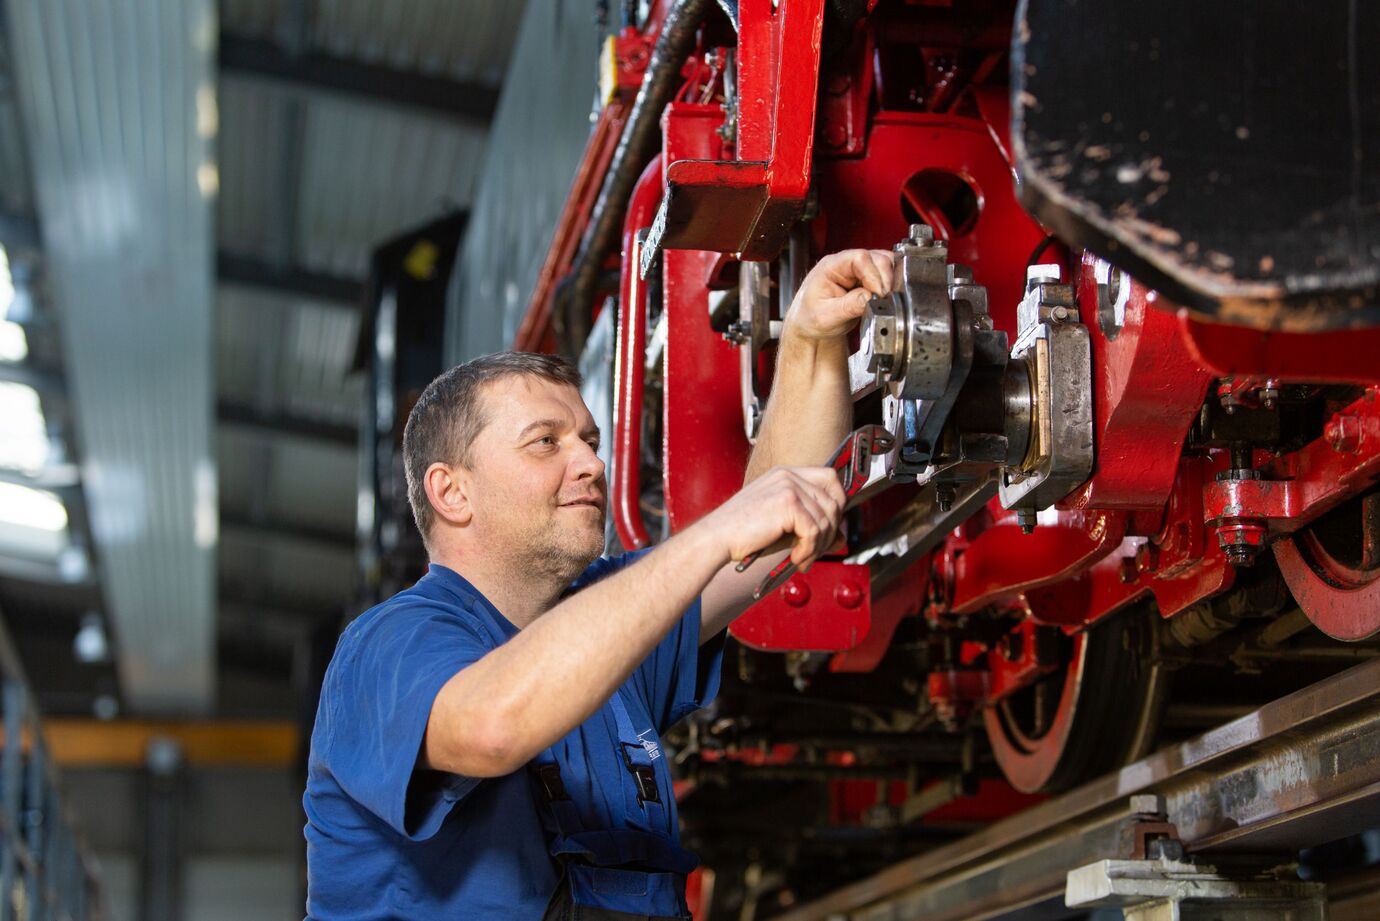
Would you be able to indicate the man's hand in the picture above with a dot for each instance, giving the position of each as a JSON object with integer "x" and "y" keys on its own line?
{"x": 836, "y": 291}
{"x": 811, "y": 407}
{"x": 795, "y": 507}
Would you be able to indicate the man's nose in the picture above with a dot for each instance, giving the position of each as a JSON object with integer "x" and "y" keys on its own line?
{"x": 587, "y": 464}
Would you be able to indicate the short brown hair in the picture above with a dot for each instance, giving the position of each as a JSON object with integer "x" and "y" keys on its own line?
{"x": 449, "y": 415}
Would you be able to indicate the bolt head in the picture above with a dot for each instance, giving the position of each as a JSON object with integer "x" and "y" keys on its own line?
{"x": 796, "y": 592}
{"x": 1241, "y": 540}
{"x": 1036, "y": 275}
{"x": 1343, "y": 432}
{"x": 848, "y": 595}
{"x": 921, "y": 235}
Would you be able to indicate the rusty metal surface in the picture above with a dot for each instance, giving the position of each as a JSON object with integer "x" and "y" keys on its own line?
{"x": 1299, "y": 771}
{"x": 1169, "y": 139}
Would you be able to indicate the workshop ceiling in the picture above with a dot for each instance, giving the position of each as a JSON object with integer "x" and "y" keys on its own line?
{"x": 333, "y": 125}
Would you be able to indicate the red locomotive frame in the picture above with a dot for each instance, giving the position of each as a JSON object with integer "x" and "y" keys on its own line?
{"x": 1164, "y": 514}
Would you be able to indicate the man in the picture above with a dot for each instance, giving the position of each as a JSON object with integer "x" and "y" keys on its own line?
{"x": 487, "y": 742}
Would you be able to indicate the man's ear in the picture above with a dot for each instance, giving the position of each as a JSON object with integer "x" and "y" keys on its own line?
{"x": 448, "y": 490}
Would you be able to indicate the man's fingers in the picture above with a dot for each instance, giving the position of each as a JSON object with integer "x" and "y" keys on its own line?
{"x": 866, "y": 271}
{"x": 882, "y": 260}
{"x": 825, "y": 481}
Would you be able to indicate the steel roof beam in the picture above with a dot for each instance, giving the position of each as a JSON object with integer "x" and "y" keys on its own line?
{"x": 261, "y": 273}
{"x": 455, "y": 99}
{"x": 244, "y": 415}
{"x": 325, "y": 538}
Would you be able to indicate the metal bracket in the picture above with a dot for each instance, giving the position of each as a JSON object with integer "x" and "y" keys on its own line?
{"x": 1178, "y": 890}
{"x": 1055, "y": 348}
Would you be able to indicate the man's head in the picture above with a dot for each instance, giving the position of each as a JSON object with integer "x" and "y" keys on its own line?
{"x": 500, "y": 461}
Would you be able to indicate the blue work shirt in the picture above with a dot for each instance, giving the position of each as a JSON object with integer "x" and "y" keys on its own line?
{"x": 386, "y": 839}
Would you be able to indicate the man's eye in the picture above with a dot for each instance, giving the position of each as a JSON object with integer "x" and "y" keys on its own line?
{"x": 546, "y": 440}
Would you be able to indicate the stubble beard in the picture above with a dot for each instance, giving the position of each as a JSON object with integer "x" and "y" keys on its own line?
{"x": 557, "y": 554}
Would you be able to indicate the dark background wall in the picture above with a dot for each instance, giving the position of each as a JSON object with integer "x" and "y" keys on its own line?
{"x": 538, "y": 134}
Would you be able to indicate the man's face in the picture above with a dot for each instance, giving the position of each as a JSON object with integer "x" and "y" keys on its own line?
{"x": 539, "y": 493}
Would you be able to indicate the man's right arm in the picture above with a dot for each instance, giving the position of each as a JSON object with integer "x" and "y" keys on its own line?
{"x": 498, "y": 713}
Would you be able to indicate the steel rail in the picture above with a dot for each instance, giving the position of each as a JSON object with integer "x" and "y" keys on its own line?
{"x": 1297, "y": 772}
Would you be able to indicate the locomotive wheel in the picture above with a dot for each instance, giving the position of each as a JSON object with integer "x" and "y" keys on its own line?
{"x": 1100, "y": 712}
{"x": 1333, "y": 570}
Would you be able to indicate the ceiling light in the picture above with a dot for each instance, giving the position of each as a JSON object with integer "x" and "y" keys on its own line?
{"x": 31, "y": 508}
{"x": 90, "y": 644}
{"x": 6, "y": 283}
{"x": 23, "y": 434}
{"x": 14, "y": 345}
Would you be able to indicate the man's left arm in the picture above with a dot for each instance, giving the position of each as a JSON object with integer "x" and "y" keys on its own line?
{"x": 810, "y": 408}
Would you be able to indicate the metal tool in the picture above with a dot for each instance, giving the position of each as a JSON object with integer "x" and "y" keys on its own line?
{"x": 853, "y": 464}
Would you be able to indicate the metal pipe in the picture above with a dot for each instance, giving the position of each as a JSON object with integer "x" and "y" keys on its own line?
{"x": 673, "y": 46}
{"x": 625, "y": 492}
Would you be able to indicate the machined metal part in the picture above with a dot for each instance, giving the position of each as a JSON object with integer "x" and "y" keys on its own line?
{"x": 1180, "y": 890}
{"x": 754, "y": 319}
{"x": 1055, "y": 348}
{"x": 908, "y": 335}
{"x": 1297, "y": 772}
{"x": 920, "y": 527}
{"x": 951, "y": 396}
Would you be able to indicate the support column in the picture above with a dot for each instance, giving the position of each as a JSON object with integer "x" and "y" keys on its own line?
{"x": 161, "y": 892}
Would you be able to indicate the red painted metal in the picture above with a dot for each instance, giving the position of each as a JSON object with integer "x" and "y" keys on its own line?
{"x": 826, "y": 609}
{"x": 625, "y": 490}
{"x": 1001, "y": 561}
{"x": 1341, "y": 356}
{"x": 956, "y": 692}
{"x": 1298, "y": 487}
{"x": 704, "y": 449}
{"x": 861, "y": 199}
{"x": 1020, "y": 658}
{"x": 1179, "y": 564}
{"x": 903, "y": 600}
{"x": 844, "y": 100}
{"x": 747, "y": 205}
{"x": 1028, "y": 763}
{"x": 994, "y": 799}
{"x": 1148, "y": 392}
{"x": 1148, "y": 520}
{"x": 699, "y": 891}
{"x": 1342, "y": 601}
{"x": 535, "y": 332}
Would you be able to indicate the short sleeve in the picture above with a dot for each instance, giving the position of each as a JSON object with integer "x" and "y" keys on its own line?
{"x": 377, "y": 699}
{"x": 680, "y": 676}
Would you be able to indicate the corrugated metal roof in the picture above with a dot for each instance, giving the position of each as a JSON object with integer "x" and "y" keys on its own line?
{"x": 466, "y": 39}
{"x": 370, "y": 173}
{"x": 14, "y": 177}
{"x": 259, "y": 18}
{"x": 367, "y": 173}
{"x": 308, "y": 483}
{"x": 287, "y": 353}
{"x": 253, "y": 145}
{"x": 116, "y": 109}
{"x": 286, "y": 573}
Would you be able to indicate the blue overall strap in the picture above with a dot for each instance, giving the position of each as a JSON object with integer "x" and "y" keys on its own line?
{"x": 636, "y": 757}
{"x": 546, "y": 776}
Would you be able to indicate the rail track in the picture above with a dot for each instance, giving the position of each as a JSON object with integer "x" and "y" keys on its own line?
{"x": 1298, "y": 772}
